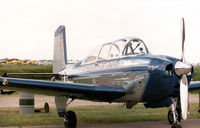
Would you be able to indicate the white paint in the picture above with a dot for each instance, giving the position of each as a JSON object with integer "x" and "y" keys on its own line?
{"x": 184, "y": 96}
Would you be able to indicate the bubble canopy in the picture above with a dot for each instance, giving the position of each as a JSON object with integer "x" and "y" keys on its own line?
{"x": 117, "y": 49}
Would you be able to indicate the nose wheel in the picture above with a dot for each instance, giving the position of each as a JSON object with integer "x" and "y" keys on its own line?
{"x": 171, "y": 118}
{"x": 70, "y": 120}
{"x": 174, "y": 115}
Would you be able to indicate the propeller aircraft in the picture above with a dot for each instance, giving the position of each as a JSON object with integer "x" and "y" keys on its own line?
{"x": 121, "y": 71}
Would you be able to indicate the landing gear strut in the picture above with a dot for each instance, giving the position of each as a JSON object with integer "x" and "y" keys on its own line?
{"x": 174, "y": 115}
{"x": 70, "y": 119}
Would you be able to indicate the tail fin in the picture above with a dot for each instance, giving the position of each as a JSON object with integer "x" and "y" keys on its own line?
{"x": 60, "y": 51}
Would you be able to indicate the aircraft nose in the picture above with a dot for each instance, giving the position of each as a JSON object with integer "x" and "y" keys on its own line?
{"x": 182, "y": 68}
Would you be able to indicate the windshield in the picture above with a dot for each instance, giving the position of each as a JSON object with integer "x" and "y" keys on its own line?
{"x": 92, "y": 57}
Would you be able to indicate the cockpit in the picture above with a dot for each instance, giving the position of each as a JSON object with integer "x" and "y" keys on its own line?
{"x": 117, "y": 49}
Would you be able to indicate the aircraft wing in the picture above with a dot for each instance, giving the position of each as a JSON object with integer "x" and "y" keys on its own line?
{"x": 72, "y": 90}
{"x": 194, "y": 86}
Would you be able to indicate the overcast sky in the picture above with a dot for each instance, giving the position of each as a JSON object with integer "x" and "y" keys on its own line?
{"x": 27, "y": 26}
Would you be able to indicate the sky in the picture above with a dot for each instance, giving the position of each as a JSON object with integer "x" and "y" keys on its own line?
{"x": 27, "y": 26}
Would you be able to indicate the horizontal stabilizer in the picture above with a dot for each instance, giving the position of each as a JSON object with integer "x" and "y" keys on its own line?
{"x": 44, "y": 76}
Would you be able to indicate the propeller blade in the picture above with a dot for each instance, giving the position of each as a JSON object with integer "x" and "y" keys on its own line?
{"x": 184, "y": 96}
{"x": 182, "y": 38}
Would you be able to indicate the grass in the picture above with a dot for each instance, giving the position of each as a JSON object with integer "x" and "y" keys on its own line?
{"x": 89, "y": 114}
{"x": 196, "y": 76}
{"x": 18, "y": 68}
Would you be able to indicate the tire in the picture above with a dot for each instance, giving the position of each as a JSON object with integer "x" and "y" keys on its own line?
{"x": 171, "y": 118}
{"x": 46, "y": 108}
{"x": 71, "y": 120}
{"x": 176, "y": 125}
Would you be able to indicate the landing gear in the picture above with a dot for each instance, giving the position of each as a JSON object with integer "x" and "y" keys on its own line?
{"x": 70, "y": 120}
{"x": 174, "y": 114}
{"x": 171, "y": 118}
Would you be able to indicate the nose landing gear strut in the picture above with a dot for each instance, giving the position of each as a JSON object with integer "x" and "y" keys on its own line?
{"x": 174, "y": 114}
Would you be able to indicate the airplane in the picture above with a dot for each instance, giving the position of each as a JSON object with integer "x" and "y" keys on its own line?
{"x": 121, "y": 71}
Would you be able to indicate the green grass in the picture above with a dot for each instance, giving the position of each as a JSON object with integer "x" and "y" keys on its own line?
{"x": 89, "y": 114}
{"x": 18, "y": 68}
{"x": 196, "y": 76}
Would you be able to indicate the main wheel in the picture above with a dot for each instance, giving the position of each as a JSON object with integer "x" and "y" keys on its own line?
{"x": 70, "y": 120}
{"x": 171, "y": 118}
{"x": 46, "y": 108}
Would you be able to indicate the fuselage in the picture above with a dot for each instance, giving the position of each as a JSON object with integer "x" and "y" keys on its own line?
{"x": 144, "y": 77}
{"x": 127, "y": 63}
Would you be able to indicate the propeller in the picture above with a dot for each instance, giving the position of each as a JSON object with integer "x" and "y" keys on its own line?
{"x": 182, "y": 69}
{"x": 182, "y": 39}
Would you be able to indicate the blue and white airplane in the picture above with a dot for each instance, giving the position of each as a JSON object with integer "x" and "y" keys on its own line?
{"x": 121, "y": 71}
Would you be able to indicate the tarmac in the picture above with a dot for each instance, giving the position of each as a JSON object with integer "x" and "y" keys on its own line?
{"x": 191, "y": 123}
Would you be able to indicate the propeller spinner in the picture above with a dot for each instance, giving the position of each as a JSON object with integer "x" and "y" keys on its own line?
{"x": 182, "y": 69}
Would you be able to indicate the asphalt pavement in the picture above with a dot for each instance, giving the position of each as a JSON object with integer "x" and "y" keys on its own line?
{"x": 191, "y": 123}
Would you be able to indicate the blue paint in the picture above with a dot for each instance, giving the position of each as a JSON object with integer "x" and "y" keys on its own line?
{"x": 194, "y": 86}
{"x": 162, "y": 103}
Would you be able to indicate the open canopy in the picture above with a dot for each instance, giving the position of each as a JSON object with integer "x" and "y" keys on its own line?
{"x": 116, "y": 49}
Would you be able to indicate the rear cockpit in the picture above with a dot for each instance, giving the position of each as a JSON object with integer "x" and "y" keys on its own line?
{"x": 117, "y": 49}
